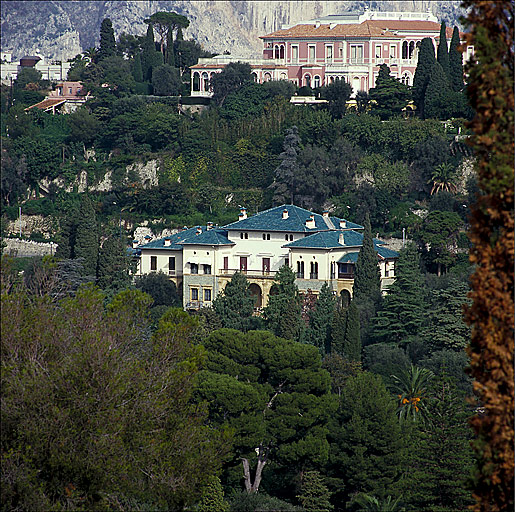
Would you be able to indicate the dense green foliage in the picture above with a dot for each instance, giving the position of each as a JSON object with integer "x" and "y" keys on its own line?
{"x": 265, "y": 412}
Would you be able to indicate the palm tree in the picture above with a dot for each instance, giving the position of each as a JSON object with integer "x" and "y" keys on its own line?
{"x": 412, "y": 386}
{"x": 443, "y": 179}
{"x": 372, "y": 504}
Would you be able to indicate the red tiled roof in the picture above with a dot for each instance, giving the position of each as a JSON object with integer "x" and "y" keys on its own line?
{"x": 364, "y": 29}
{"x": 47, "y": 103}
{"x": 369, "y": 28}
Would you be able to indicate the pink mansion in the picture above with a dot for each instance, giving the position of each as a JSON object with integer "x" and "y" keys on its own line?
{"x": 345, "y": 46}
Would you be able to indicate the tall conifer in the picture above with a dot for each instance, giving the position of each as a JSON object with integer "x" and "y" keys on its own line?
{"x": 437, "y": 104}
{"x": 86, "y": 242}
{"x": 404, "y": 308}
{"x": 113, "y": 265}
{"x": 426, "y": 61}
{"x": 107, "y": 42}
{"x": 455, "y": 62}
{"x": 352, "y": 338}
{"x": 137, "y": 72}
{"x": 320, "y": 319}
{"x": 442, "y": 55}
{"x": 367, "y": 280}
{"x": 148, "y": 54}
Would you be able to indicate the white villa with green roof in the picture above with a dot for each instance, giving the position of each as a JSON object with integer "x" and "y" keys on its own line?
{"x": 319, "y": 248}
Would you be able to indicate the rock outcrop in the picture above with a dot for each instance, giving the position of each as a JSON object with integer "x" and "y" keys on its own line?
{"x": 59, "y": 30}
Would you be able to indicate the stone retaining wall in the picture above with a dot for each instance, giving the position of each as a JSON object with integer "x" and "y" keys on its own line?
{"x": 27, "y": 248}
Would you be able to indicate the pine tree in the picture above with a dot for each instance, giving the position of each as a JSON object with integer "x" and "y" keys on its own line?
{"x": 442, "y": 55}
{"x": 404, "y": 308}
{"x": 113, "y": 265}
{"x": 320, "y": 319}
{"x": 284, "y": 179}
{"x": 390, "y": 95}
{"x": 437, "y": 104}
{"x": 283, "y": 314}
{"x": 86, "y": 242}
{"x": 107, "y": 41}
{"x": 314, "y": 494}
{"x": 137, "y": 71}
{"x": 426, "y": 61}
{"x": 235, "y": 305}
{"x": 352, "y": 337}
{"x": 455, "y": 62}
{"x": 212, "y": 499}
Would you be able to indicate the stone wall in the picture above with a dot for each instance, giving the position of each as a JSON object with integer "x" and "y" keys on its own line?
{"x": 27, "y": 248}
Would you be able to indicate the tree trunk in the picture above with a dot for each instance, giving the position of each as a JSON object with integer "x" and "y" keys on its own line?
{"x": 249, "y": 486}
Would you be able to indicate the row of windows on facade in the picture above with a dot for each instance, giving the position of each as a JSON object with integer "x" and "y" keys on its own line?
{"x": 266, "y": 236}
{"x": 356, "y": 51}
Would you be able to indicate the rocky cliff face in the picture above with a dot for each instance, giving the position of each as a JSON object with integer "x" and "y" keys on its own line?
{"x": 60, "y": 30}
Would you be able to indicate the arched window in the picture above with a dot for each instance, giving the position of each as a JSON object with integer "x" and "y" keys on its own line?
{"x": 276, "y": 51}
{"x": 411, "y": 49}
{"x": 405, "y": 50}
{"x": 196, "y": 81}
{"x": 307, "y": 80}
{"x": 331, "y": 79}
{"x": 316, "y": 82}
{"x": 281, "y": 52}
{"x": 268, "y": 77}
{"x": 254, "y": 77}
{"x": 405, "y": 79}
{"x": 205, "y": 81}
{"x": 284, "y": 76}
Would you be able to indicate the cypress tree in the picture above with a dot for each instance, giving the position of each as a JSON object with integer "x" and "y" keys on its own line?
{"x": 426, "y": 61}
{"x": 170, "y": 49}
{"x": 442, "y": 55}
{"x": 137, "y": 71}
{"x": 320, "y": 319}
{"x": 148, "y": 54}
{"x": 352, "y": 338}
{"x": 367, "y": 279}
{"x": 455, "y": 62}
{"x": 107, "y": 42}
{"x": 86, "y": 242}
{"x": 338, "y": 330}
{"x": 437, "y": 104}
{"x": 113, "y": 265}
{"x": 404, "y": 308}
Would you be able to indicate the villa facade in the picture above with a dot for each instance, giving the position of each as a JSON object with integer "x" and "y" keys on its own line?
{"x": 319, "y": 248}
{"x": 345, "y": 46}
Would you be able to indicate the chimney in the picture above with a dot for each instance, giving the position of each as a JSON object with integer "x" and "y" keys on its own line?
{"x": 209, "y": 226}
{"x": 317, "y": 23}
{"x": 341, "y": 239}
{"x": 199, "y": 231}
{"x": 310, "y": 223}
{"x": 285, "y": 213}
{"x": 325, "y": 213}
{"x": 243, "y": 213}
{"x": 135, "y": 244}
{"x": 147, "y": 238}
{"x": 168, "y": 242}
{"x": 343, "y": 224}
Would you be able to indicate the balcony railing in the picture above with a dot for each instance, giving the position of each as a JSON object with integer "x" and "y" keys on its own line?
{"x": 197, "y": 304}
{"x": 300, "y": 275}
{"x": 248, "y": 272}
{"x": 313, "y": 275}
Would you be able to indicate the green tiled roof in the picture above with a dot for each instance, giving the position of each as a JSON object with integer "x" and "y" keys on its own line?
{"x": 350, "y": 257}
{"x": 272, "y": 220}
{"x": 328, "y": 240}
{"x": 213, "y": 236}
{"x": 331, "y": 240}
